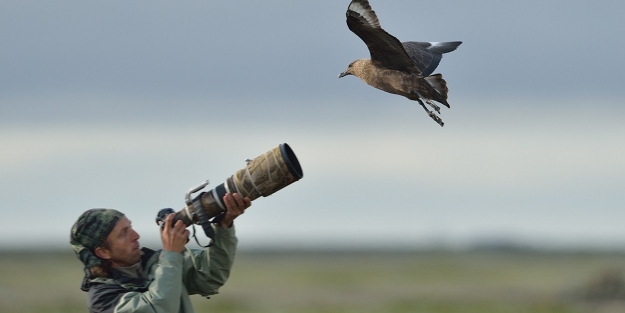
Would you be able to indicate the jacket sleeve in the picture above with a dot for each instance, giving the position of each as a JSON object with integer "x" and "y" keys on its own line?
{"x": 163, "y": 294}
{"x": 206, "y": 270}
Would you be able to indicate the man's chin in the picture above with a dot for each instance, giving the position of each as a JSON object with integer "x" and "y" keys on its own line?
{"x": 138, "y": 255}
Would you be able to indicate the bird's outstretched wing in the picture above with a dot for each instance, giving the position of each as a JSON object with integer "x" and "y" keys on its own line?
{"x": 427, "y": 55}
{"x": 386, "y": 50}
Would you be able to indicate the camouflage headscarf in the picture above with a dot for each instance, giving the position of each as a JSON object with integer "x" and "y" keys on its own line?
{"x": 90, "y": 231}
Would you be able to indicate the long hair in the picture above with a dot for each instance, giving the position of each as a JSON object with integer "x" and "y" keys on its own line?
{"x": 104, "y": 269}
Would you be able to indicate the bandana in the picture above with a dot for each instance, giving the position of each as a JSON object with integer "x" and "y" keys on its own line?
{"x": 89, "y": 232}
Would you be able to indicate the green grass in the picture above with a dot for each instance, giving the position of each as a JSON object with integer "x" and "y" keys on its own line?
{"x": 433, "y": 282}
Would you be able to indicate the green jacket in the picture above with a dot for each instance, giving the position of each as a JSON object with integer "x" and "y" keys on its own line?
{"x": 170, "y": 278}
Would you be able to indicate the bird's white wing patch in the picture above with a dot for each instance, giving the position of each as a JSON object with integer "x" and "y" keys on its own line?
{"x": 365, "y": 12}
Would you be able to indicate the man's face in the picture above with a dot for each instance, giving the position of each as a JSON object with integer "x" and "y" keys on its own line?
{"x": 123, "y": 245}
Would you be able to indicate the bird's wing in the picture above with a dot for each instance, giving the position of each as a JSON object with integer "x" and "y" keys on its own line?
{"x": 427, "y": 55}
{"x": 386, "y": 51}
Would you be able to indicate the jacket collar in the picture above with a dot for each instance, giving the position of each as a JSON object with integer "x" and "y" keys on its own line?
{"x": 127, "y": 282}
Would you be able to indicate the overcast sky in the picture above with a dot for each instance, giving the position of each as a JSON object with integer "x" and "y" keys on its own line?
{"x": 128, "y": 104}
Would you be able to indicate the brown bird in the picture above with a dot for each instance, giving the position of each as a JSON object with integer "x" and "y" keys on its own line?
{"x": 395, "y": 67}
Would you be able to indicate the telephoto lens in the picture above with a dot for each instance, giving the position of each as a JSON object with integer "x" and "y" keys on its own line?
{"x": 261, "y": 177}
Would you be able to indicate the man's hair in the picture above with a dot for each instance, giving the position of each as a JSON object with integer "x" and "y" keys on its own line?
{"x": 104, "y": 269}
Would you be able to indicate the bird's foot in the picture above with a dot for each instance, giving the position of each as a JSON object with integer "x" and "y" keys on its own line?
{"x": 436, "y": 118}
{"x": 430, "y": 113}
{"x": 434, "y": 106}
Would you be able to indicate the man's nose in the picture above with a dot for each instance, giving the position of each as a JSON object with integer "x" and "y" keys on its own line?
{"x": 135, "y": 235}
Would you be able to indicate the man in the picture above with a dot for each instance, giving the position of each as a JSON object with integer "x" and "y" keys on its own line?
{"x": 121, "y": 278}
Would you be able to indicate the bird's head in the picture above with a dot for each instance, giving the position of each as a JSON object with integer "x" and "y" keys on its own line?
{"x": 348, "y": 71}
{"x": 354, "y": 68}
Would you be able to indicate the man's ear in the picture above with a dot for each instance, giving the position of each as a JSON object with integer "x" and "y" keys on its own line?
{"x": 102, "y": 253}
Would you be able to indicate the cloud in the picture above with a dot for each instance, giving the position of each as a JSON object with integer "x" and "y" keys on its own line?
{"x": 481, "y": 172}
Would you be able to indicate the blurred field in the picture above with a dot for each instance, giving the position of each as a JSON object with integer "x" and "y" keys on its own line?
{"x": 307, "y": 282}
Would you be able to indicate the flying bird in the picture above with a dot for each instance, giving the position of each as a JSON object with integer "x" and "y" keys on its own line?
{"x": 399, "y": 68}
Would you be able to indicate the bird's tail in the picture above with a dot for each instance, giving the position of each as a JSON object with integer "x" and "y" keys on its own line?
{"x": 444, "y": 47}
{"x": 439, "y": 86}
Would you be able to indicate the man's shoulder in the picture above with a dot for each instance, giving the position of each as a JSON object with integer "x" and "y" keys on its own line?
{"x": 148, "y": 255}
{"x": 104, "y": 297}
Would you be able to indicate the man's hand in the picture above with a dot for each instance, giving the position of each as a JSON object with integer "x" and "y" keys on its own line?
{"x": 235, "y": 206}
{"x": 175, "y": 236}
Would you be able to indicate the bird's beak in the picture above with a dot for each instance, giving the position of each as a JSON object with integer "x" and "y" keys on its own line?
{"x": 345, "y": 73}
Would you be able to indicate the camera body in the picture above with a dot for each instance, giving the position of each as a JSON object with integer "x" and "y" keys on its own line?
{"x": 162, "y": 215}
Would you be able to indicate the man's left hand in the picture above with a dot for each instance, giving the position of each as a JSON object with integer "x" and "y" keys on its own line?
{"x": 235, "y": 206}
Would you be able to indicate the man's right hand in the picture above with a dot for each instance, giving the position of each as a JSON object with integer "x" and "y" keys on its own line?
{"x": 176, "y": 237}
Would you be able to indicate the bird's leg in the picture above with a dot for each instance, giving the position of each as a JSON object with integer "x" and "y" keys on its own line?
{"x": 431, "y": 114}
{"x": 433, "y": 105}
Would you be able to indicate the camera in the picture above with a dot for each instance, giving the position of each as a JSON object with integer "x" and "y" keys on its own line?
{"x": 262, "y": 176}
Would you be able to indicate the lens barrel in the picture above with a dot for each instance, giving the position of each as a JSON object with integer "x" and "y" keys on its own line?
{"x": 261, "y": 177}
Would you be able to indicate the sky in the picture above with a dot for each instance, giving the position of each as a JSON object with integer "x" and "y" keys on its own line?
{"x": 129, "y": 104}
